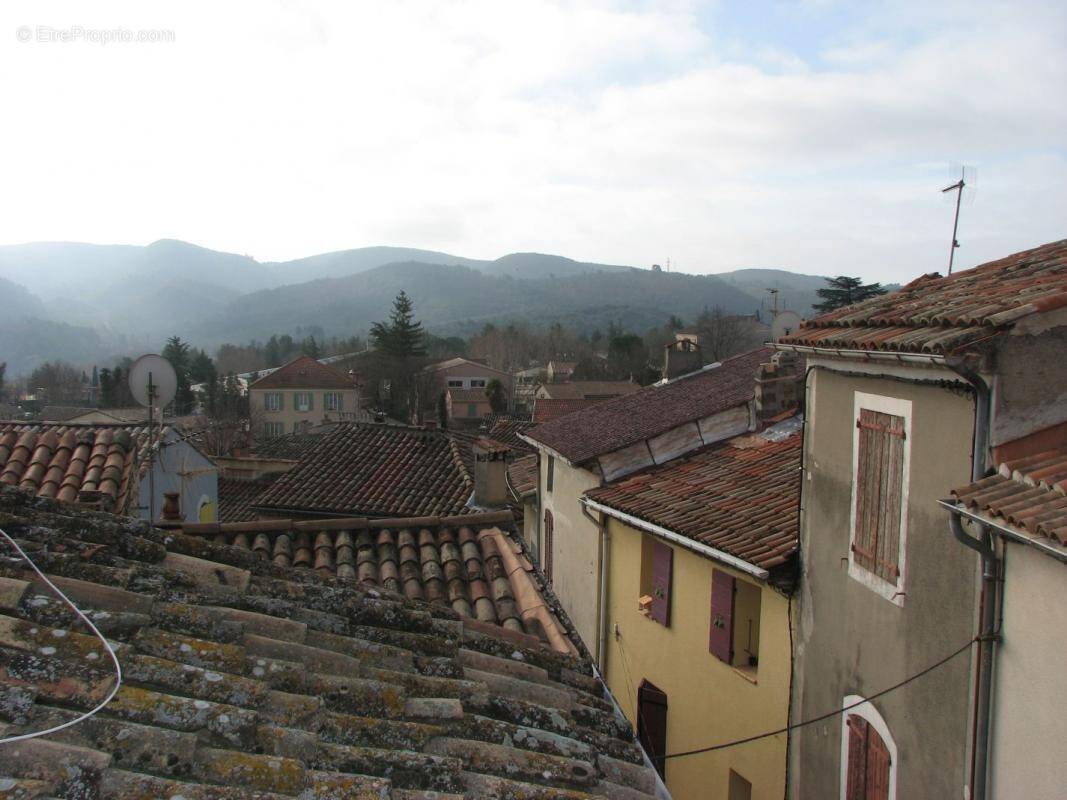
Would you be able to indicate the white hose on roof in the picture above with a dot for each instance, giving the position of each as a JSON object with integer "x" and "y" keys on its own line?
{"x": 87, "y": 621}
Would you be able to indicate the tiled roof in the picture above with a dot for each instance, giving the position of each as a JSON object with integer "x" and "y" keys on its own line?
{"x": 94, "y": 464}
{"x": 582, "y": 390}
{"x": 546, "y": 409}
{"x": 741, "y": 496}
{"x": 243, "y": 678}
{"x": 622, "y": 421}
{"x": 237, "y": 496}
{"x": 291, "y": 446}
{"x": 523, "y": 476}
{"x": 62, "y": 413}
{"x": 459, "y": 362}
{"x": 371, "y": 470}
{"x": 304, "y": 373}
{"x": 933, "y": 314}
{"x": 1028, "y": 494}
{"x": 507, "y": 430}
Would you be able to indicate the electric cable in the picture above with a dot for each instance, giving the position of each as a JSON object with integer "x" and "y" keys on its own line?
{"x": 829, "y": 715}
{"x": 87, "y": 621}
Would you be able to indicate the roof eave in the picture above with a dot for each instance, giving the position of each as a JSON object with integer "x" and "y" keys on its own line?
{"x": 1060, "y": 554}
{"x": 894, "y": 356}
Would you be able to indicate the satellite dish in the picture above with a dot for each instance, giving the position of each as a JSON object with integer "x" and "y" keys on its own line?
{"x": 785, "y": 323}
{"x": 158, "y": 371}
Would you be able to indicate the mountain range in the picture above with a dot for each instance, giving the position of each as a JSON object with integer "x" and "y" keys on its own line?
{"x": 85, "y": 302}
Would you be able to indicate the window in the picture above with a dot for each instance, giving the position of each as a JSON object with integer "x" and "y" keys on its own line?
{"x": 272, "y": 401}
{"x": 879, "y": 493}
{"x": 551, "y": 470}
{"x": 333, "y": 401}
{"x": 302, "y": 401}
{"x": 547, "y": 564}
{"x": 272, "y": 429}
{"x": 868, "y": 754}
{"x": 455, "y": 383}
{"x": 735, "y": 621}
{"x": 652, "y": 724}
{"x": 477, "y": 383}
{"x": 657, "y": 562}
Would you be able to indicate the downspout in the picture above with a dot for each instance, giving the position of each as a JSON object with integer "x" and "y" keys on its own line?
{"x": 602, "y": 589}
{"x": 983, "y": 545}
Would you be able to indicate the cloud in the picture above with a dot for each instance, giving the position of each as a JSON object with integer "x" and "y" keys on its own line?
{"x": 619, "y": 132}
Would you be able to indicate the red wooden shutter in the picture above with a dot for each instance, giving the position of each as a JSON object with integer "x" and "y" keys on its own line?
{"x": 662, "y": 561}
{"x": 877, "y": 767}
{"x": 721, "y": 637}
{"x": 547, "y": 556}
{"x": 856, "y": 775}
{"x": 652, "y": 724}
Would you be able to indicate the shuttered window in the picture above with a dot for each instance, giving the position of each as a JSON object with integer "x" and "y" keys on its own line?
{"x": 879, "y": 487}
{"x": 721, "y": 637}
{"x": 662, "y": 566}
{"x": 867, "y": 776}
{"x": 652, "y": 724}
{"x": 547, "y": 565}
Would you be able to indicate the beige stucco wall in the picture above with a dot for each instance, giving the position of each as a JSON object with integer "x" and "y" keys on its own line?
{"x": 1029, "y": 723}
{"x": 290, "y": 416}
{"x": 708, "y": 701}
{"x": 575, "y": 554}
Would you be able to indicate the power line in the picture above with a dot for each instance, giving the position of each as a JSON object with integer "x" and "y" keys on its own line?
{"x": 822, "y": 717}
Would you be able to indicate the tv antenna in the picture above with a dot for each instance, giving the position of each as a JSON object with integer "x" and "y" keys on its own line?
{"x": 967, "y": 178}
{"x": 153, "y": 383}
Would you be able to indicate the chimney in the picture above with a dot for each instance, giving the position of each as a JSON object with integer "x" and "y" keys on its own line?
{"x": 171, "y": 512}
{"x": 779, "y": 385}
{"x": 490, "y": 473}
{"x": 681, "y": 357}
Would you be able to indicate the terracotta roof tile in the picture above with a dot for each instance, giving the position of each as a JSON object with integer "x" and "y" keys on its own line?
{"x": 304, "y": 373}
{"x": 95, "y": 464}
{"x": 375, "y": 470}
{"x": 523, "y": 476}
{"x": 1028, "y": 494}
{"x": 740, "y": 496}
{"x": 584, "y": 390}
{"x": 622, "y": 421}
{"x": 238, "y": 495}
{"x": 244, "y": 678}
{"x": 547, "y": 409}
{"x": 507, "y": 429}
{"x": 933, "y": 314}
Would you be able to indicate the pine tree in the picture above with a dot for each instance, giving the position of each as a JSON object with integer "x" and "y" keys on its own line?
{"x": 844, "y": 291}
{"x": 401, "y": 336}
{"x": 498, "y": 400}
{"x": 177, "y": 353}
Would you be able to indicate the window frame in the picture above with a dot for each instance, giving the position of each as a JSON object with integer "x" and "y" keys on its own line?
{"x": 478, "y": 383}
{"x": 275, "y": 399}
{"x": 893, "y": 592}
{"x": 874, "y": 719}
{"x": 310, "y": 402}
{"x": 455, "y": 383}
{"x": 273, "y": 430}
{"x": 333, "y": 401}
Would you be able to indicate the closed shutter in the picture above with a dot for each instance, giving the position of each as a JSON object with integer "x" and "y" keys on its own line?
{"x": 856, "y": 776}
{"x": 877, "y": 767}
{"x": 340, "y": 400}
{"x": 662, "y": 562}
{"x": 721, "y": 637}
{"x": 652, "y": 724}
{"x": 879, "y": 487}
{"x": 547, "y": 565}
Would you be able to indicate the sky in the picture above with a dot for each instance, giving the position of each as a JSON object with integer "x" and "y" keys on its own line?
{"x": 813, "y": 135}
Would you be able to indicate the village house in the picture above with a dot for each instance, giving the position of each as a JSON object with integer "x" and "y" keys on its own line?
{"x": 301, "y": 394}
{"x": 467, "y": 407}
{"x": 405, "y": 658}
{"x": 461, "y": 373}
{"x": 526, "y": 382}
{"x": 700, "y": 559}
{"x": 560, "y": 371}
{"x": 588, "y": 448}
{"x": 909, "y": 395}
{"x": 112, "y": 468}
{"x": 586, "y": 390}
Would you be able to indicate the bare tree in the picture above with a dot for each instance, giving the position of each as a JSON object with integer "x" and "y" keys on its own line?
{"x": 723, "y": 335}
{"x": 61, "y": 382}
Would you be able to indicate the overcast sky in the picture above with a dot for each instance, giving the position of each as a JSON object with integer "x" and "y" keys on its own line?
{"x": 806, "y": 135}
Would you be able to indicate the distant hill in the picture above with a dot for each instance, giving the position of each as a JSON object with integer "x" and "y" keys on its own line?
{"x": 101, "y": 297}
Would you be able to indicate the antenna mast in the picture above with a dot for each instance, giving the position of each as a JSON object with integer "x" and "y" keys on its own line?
{"x": 958, "y": 188}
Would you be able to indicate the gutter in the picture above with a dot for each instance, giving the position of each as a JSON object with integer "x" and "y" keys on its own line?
{"x": 892, "y": 356}
{"x": 959, "y": 513}
{"x": 987, "y": 635}
{"x": 539, "y": 446}
{"x": 676, "y": 538}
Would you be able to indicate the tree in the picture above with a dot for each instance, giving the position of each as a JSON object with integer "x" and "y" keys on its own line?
{"x": 177, "y": 353}
{"x": 723, "y": 335}
{"x": 309, "y": 347}
{"x": 401, "y": 336}
{"x": 498, "y": 400}
{"x": 844, "y": 291}
{"x": 628, "y": 357}
{"x": 58, "y": 381}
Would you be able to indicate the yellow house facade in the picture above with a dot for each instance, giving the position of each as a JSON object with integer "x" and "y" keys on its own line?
{"x": 697, "y": 644}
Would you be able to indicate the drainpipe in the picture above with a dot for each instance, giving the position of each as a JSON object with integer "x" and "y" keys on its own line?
{"x": 983, "y": 545}
{"x": 602, "y": 587}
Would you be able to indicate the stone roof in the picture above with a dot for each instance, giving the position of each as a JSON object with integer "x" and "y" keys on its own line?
{"x": 621, "y": 421}
{"x": 1027, "y": 494}
{"x": 944, "y": 315}
{"x": 92, "y": 464}
{"x": 371, "y": 470}
{"x": 740, "y": 496}
{"x": 304, "y": 373}
{"x": 246, "y": 679}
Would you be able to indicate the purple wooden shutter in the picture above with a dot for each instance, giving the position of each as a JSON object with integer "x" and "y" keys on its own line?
{"x": 662, "y": 561}
{"x": 652, "y": 724}
{"x": 721, "y": 638}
